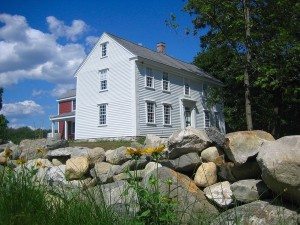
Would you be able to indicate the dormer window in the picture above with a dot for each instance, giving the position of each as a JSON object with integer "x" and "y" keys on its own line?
{"x": 149, "y": 78}
{"x": 104, "y": 49}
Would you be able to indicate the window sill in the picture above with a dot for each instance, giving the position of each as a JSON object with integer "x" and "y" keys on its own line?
{"x": 167, "y": 92}
{"x": 102, "y": 125}
{"x": 151, "y": 124}
{"x": 150, "y": 88}
{"x": 103, "y": 90}
{"x": 103, "y": 57}
{"x": 167, "y": 125}
{"x": 187, "y": 96}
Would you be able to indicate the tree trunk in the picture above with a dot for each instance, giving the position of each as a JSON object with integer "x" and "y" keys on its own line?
{"x": 247, "y": 66}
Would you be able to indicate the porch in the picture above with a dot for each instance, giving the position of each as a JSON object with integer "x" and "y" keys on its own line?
{"x": 64, "y": 124}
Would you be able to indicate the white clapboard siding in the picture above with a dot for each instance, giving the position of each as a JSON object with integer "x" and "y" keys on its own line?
{"x": 121, "y": 110}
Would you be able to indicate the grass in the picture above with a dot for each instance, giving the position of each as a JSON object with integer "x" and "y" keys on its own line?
{"x": 105, "y": 144}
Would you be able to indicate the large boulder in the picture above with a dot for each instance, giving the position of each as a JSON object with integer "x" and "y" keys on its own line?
{"x": 186, "y": 163}
{"x": 241, "y": 145}
{"x": 154, "y": 141}
{"x": 38, "y": 148}
{"x": 249, "y": 190}
{"x": 280, "y": 165}
{"x": 220, "y": 194}
{"x": 38, "y": 163}
{"x": 190, "y": 199}
{"x": 104, "y": 171}
{"x": 257, "y": 213}
{"x": 215, "y": 136}
{"x": 76, "y": 167}
{"x": 187, "y": 141}
{"x": 117, "y": 156}
{"x": 206, "y": 175}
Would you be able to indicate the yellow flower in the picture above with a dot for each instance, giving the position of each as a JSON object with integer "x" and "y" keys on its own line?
{"x": 39, "y": 164}
{"x": 7, "y": 152}
{"x": 134, "y": 152}
{"x": 40, "y": 150}
{"x": 21, "y": 160}
{"x": 155, "y": 150}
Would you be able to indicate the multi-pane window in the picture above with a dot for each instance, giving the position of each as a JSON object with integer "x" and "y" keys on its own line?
{"x": 102, "y": 114}
{"x": 150, "y": 112}
{"x": 73, "y": 105}
{"x": 149, "y": 78}
{"x": 167, "y": 114}
{"x": 166, "y": 82}
{"x": 104, "y": 49}
{"x": 186, "y": 88}
{"x": 206, "y": 119}
{"x": 103, "y": 80}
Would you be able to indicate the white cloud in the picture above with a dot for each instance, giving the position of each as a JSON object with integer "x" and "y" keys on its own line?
{"x": 28, "y": 53}
{"x": 91, "y": 40}
{"x": 25, "y": 108}
{"x": 59, "y": 29}
{"x": 61, "y": 89}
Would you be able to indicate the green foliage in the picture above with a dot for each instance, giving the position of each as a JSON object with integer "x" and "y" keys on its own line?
{"x": 16, "y": 135}
{"x": 275, "y": 59}
{"x": 3, "y": 122}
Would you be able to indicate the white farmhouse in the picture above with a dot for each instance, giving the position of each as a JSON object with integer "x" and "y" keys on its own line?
{"x": 126, "y": 90}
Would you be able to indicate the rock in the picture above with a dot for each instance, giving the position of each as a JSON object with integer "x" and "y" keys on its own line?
{"x": 241, "y": 145}
{"x": 151, "y": 166}
{"x": 258, "y": 212}
{"x": 56, "y": 162}
{"x": 132, "y": 165}
{"x": 137, "y": 174}
{"x": 249, "y": 190}
{"x": 68, "y": 152}
{"x": 215, "y": 136}
{"x": 3, "y": 160}
{"x": 38, "y": 148}
{"x": 120, "y": 197}
{"x": 154, "y": 141}
{"x": 187, "y": 141}
{"x": 104, "y": 171}
{"x": 94, "y": 155}
{"x": 231, "y": 172}
{"x": 219, "y": 193}
{"x": 189, "y": 198}
{"x": 280, "y": 165}
{"x": 186, "y": 163}
{"x": 117, "y": 156}
{"x": 76, "y": 168}
{"x": 7, "y": 145}
{"x": 38, "y": 163}
{"x": 210, "y": 154}
{"x": 206, "y": 175}
{"x": 136, "y": 145}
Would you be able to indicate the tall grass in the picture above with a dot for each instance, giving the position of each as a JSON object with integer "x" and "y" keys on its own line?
{"x": 23, "y": 202}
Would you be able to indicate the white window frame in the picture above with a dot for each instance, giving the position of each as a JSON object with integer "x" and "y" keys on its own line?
{"x": 105, "y": 114}
{"x": 164, "y": 114}
{"x": 74, "y": 100}
{"x": 206, "y": 112}
{"x": 104, "y": 49}
{"x": 103, "y": 75}
{"x": 154, "y": 112}
{"x": 167, "y": 81}
{"x": 149, "y": 75}
{"x": 186, "y": 83}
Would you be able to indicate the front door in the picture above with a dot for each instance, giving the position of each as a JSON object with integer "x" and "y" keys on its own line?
{"x": 187, "y": 117}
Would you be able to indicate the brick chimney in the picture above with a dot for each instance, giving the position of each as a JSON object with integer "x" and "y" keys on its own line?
{"x": 161, "y": 47}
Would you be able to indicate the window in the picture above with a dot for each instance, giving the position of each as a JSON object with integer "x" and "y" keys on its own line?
{"x": 167, "y": 114}
{"x": 207, "y": 119}
{"x": 150, "y": 112}
{"x": 186, "y": 88}
{"x": 104, "y": 50}
{"x": 102, "y": 114}
{"x": 165, "y": 82}
{"x": 149, "y": 78}
{"x": 73, "y": 105}
{"x": 103, "y": 80}
{"x": 217, "y": 118}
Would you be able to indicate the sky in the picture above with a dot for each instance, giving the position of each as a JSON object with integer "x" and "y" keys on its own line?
{"x": 43, "y": 42}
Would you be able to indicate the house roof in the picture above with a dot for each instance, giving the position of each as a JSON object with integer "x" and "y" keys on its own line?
{"x": 146, "y": 53}
{"x": 69, "y": 94}
{"x": 68, "y": 114}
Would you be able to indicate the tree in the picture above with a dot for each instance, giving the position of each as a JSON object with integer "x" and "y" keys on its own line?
{"x": 264, "y": 61}
{"x": 3, "y": 122}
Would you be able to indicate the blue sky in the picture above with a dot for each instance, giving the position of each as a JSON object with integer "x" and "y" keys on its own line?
{"x": 43, "y": 42}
